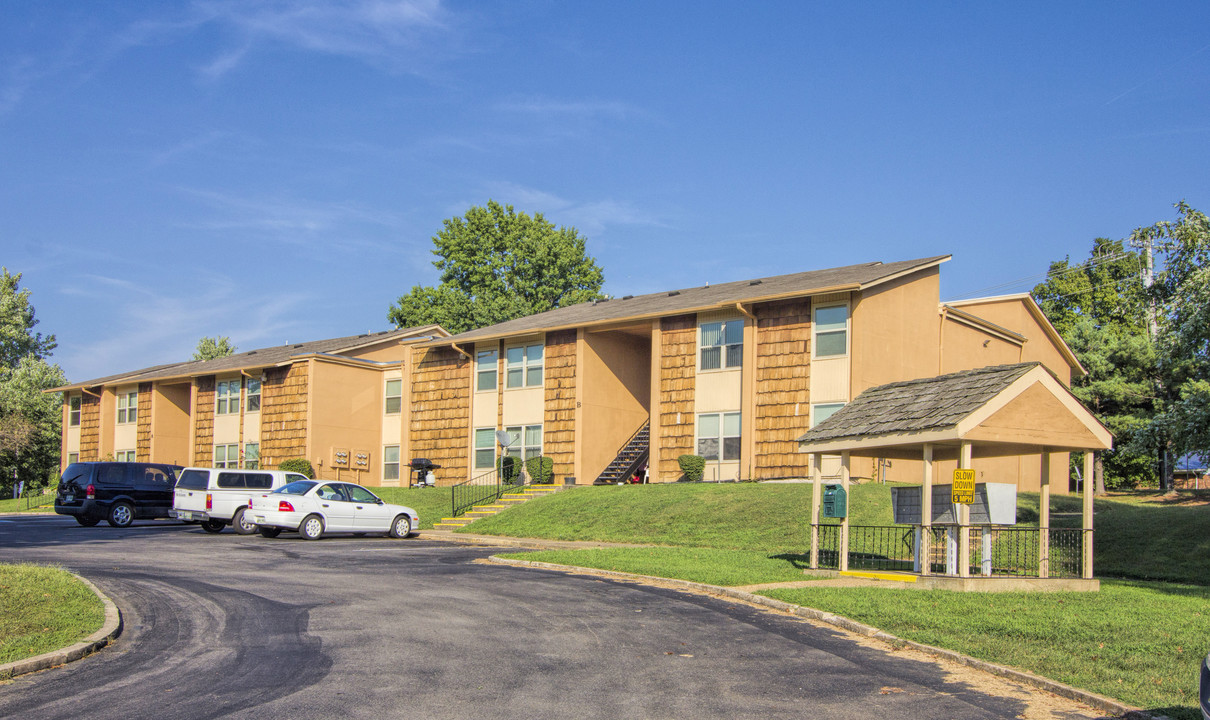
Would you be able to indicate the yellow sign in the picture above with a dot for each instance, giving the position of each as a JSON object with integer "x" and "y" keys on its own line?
{"x": 964, "y": 487}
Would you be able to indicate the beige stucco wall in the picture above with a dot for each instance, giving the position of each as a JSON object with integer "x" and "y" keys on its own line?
{"x": 614, "y": 386}
{"x": 1012, "y": 313}
{"x": 347, "y": 414}
{"x": 170, "y": 426}
{"x": 388, "y": 351}
{"x": 895, "y": 329}
{"x": 965, "y": 347}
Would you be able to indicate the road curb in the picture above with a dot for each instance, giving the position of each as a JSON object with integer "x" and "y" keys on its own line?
{"x": 1097, "y": 702}
{"x": 110, "y": 629}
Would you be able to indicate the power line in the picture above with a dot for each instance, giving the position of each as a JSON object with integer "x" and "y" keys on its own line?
{"x": 1036, "y": 278}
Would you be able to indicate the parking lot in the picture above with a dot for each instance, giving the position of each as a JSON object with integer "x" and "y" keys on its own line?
{"x": 244, "y": 626}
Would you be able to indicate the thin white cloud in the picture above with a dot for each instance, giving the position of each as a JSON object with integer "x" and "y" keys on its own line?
{"x": 593, "y": 218}
{"x": 562, "y": 109}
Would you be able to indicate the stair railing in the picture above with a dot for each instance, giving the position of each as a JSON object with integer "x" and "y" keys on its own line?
{"x": 487, "y": 487}
{"x": 634, "y": 465}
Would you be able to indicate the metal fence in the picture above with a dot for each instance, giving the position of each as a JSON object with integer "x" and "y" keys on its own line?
{"x": 995, "y": 551}
{"x": 487, "y": 487}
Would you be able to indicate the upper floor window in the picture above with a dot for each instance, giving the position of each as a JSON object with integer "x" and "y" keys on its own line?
{"x": 523, "y": 366}
{"x": 128, "y": 407}
{"x": 227, "y": 397}
{"x": 73, "y": 410}
{"x": 831, "y": 331}
{"x": 485, "y": 369}
{"x": 717, "y": 431}
{"x": 722, "y": 344}
{"x": 394, "y": 397}
{"x": 252, "y": 397}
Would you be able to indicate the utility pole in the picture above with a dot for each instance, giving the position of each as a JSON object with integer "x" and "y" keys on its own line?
{"x": 1143, "y": 240}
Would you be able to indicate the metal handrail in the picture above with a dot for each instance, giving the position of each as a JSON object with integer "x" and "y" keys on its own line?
{"x": 487, "y": 487}
{"x": 638, "y": 461}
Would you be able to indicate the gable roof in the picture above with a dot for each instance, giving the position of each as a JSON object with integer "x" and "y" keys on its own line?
{"x": 259, "y": 358}
{"x": 939, "y": 409}
{"x": 1035, "y": 310}
{"x": 700, "y": 299}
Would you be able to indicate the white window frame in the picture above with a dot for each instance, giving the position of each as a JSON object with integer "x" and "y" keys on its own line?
{"x": 226, "y": 397}
{"x": 227, "y": 462}
{"x": 830, "y": 329}
{"x": 252, "y": 395}
{"x": 478, "y": 447}
{"x": 834, "y": 407}
{"x": 125, "y": 456}
{"x": 721, "y": 437}
{"x": 522, "y": 436}
{"x": 487, "y": 366}
{"x": 390, "y": 468}
{"x": 74, "y": 403}
{"x": 730, "y": 354}
{"x": 388, "y": 396}
{"x": 73, "y": 457}
{"x": 251, "y": 459}
{"x": 128, "y": 407}
{"x": 526, "y": 367}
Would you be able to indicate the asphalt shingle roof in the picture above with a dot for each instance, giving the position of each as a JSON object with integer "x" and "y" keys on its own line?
{"x": 917, "y": 405}
{"x": 674, "y": 302}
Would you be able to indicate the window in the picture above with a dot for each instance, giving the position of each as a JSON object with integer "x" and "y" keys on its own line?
{"x": 73, "y": 411}
{"x": 715, "y": 430}
{"x": 823, "y": 411}
{"x": 231, "y": 480}
{"x": 73, "y": 458}
{"x": 226, "y": 456}
{"x": 523, "y": 366}
{"x": 526, "y": 441}
{"x": 486, "y": 371}
{"x": 128, "y": 407}
{"x": 252, "y": 456}
{"x": 722, "y": 344}
{"x": 394, "y": 396}
{"x": 124, "y": 456}
{"x": 227, "y": 396}
{"x": 485, "y": 448}
{"x": 252, "y": 403}
{"x": 831, "y": 331}
{"x": 390, "y": 462}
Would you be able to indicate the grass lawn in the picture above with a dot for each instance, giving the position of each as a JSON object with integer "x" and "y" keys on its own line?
{"x": 38, "y": 503}
{"x": 45, "y": 609}
{"x": 1139, "y": 642}
{"x": 432, "y": 503}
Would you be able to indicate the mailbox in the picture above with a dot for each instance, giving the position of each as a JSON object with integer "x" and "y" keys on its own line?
{"x": 835, "y": 502}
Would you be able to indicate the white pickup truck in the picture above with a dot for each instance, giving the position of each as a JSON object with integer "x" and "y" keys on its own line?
{"x": 218, "y": 497}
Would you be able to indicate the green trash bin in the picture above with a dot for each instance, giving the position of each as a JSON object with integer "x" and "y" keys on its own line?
{"x": 835, "y": 502}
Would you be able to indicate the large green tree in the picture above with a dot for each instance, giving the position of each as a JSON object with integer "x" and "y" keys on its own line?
{"x": 30, "y": 419}
{"x": 498, "y": 264}
{"x": 1098, "y": 307}
{"x": 209, "y": 348}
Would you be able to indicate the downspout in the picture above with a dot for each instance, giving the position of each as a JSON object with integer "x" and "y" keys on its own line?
{"x": 748, "y": 394}
{"x": 941, "y": 340}
{"x": 462, "y": 352}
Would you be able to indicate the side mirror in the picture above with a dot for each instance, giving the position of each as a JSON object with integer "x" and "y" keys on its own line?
{"x": 380, "y": 502}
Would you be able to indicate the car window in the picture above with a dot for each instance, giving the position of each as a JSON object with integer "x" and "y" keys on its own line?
{"x": 360, "y": 494}
{"x": 193, "y": 480}
{"x": 296, "y": 488}
{"x": 291, "y": 477}
{"x": 76, "y": 473}
{"x": 113, "y": 475}
{"x": 331, "y": 492}
{"x": 231, "y": 480}
{"x": 154, "y": 477}
{"x": 258, "y": 481}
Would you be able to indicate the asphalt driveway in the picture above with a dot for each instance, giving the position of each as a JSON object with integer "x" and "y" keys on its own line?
{"x": 243, "y": 626}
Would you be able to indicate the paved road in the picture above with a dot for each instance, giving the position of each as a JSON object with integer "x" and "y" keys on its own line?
{"x": 234, "y": 626}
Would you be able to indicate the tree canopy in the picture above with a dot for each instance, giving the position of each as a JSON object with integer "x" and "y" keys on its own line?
{"x": 17, "y": 321}
{"x": 209, "y": 348}
{"x": 498, "y": 264}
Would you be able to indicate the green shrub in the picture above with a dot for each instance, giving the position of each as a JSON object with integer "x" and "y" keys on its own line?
{"x": 541, "y": 469}
{"x": 301, "y": 466}
{"x": 692, "y": 465}
{"x": 507, "y": 468}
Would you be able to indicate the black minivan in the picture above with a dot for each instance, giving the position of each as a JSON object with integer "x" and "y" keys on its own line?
{"x": 118, "y": 492}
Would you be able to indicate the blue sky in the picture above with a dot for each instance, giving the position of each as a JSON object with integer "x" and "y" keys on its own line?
{"x": 275, "y": 171}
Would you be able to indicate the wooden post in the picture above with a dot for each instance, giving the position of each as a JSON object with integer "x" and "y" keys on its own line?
{"x": 964, "y": 520}
{"x": 1088, "y": 483}
{"x": 926, "y": 513}
{"x": 1044, "y": 517}
{"x": 844, "y": 522}
{"x": 816, "y": 462}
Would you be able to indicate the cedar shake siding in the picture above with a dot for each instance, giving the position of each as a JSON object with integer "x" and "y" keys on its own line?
{"x": 678, "y": 369}
{"x": 90, "y": 427}
{"x": 559, "y": 441}
{"x": 143, "y": 432}
{"x": 440, "y": 426}
{"x": 284, "y": 414}
{"x": 783, "y": 382}
{"x": 203, "y": 422}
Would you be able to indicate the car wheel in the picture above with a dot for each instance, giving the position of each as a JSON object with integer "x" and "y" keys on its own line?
{"x": 241, "y": 524}
{"x": 121, "y": 515}
{"x": 269, "y": 532}
{"x": 86, "y": 521}
{"x": 402, "y": 527}
{"x": 312, "y": 527}
{"x": 213, "y": 526}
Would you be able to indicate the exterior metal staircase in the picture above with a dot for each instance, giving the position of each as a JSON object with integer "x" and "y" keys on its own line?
{"x": 633, "y": 455}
